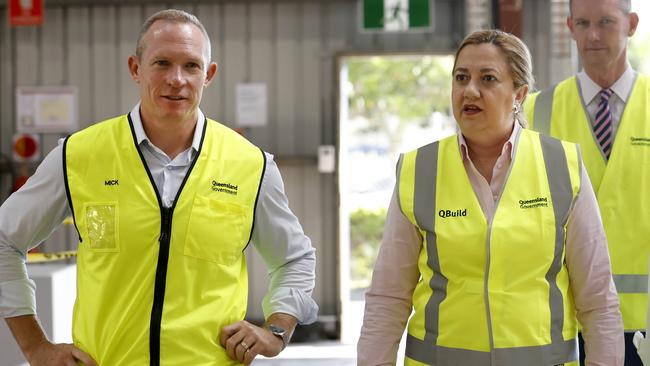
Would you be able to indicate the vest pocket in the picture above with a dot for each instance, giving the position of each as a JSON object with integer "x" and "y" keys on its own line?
{"x": 101, "y": 224}
{"x": 215, "y": 231}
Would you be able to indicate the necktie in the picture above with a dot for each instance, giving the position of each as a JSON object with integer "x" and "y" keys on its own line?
{"x": 603, "y": 122}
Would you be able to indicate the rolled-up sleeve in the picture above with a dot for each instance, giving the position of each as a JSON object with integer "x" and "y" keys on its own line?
{"x": 286, "y": 250}
{"x": 389, "y": 299}
{"x": 27, "y": 218}
{"x": 591, "y": 281}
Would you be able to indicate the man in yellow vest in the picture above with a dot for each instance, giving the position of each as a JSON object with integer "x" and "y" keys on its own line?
{"x": 164, "y": 201}
{"x": 604, "y": 108}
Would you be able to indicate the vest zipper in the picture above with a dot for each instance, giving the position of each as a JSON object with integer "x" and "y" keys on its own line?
{"x": 159, "y": 289}
{"x": 166, "y": 215}
{"x": 165, "y": 225}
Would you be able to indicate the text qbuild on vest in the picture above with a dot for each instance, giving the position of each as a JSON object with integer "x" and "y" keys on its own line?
{"x": 449, "y": 213}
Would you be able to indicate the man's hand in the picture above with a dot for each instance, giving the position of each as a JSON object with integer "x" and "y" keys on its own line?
{"x": 49, "y": 354}
{"x": 38, "y": 350}
{"x": 243, "y": 341}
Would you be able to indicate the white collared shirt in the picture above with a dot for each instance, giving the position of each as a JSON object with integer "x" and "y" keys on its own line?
{"x": 30, "y": 215}
{"x": 621, "y": 88}
{"x": 167, "y": 173}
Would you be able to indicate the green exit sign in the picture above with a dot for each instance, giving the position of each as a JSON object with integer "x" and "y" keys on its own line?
{"x": 396, "y": 15}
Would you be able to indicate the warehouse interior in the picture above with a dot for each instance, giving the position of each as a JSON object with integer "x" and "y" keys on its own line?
{"x": 336, "y": 147}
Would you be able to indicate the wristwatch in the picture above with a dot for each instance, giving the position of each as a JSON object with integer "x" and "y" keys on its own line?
{"x": 278, "y": 332}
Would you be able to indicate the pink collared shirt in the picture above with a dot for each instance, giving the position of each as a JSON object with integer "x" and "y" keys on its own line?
{"x": 389, "y": 299}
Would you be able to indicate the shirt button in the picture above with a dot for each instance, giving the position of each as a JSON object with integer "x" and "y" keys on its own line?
{"x": 499, "y": 166}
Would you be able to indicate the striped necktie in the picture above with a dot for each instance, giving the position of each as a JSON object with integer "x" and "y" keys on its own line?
{"x": 603, "y": 122}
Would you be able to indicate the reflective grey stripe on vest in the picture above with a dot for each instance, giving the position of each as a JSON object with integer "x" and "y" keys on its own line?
{"x": 550, "y": 354}
{"x": 427, "y": 351}
{"x": 424, "y": 201}
{"x": 398, "y": 170}
{"x": 559, "y": 182}
{"x": 632, "y": 284}
{"x": 543, "y": 109}
{"x": 433, "y": 354}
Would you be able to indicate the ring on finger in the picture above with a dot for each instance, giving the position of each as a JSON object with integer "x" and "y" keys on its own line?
{"x": 243, "y": 344}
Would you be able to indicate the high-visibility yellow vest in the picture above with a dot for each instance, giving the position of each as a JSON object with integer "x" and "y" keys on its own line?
{"x": 622, "y": 184}
{"x": 154, "y": 285}
{"x": 491, "y": 292}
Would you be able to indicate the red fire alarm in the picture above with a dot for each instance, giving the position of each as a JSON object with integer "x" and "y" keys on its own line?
{"x": 26, "y": 148}
{"x": 25, "y": 12}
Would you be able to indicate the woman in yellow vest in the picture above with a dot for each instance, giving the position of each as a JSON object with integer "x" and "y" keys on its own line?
{"x": 493, "y": 240}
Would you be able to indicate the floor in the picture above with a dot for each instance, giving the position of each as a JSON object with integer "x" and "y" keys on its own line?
{"x": 313, "y": 354}
{"x": 327, "y": 353}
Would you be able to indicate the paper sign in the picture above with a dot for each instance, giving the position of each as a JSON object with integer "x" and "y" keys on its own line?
{"x": 46, "y": 109}
{"x": 326, "y": 159}
{"x": 251, "y": 105}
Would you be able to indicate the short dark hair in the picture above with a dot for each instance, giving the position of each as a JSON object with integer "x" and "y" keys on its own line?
{"x": 170, "y": 15}
{"x": 625, "y": 6}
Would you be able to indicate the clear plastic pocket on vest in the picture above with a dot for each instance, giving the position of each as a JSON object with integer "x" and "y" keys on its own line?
{"x": 101, "y": 224}
{"x": 215, "y": 231}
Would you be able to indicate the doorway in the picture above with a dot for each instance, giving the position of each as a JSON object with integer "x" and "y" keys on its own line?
{"x": 387, "y": 105}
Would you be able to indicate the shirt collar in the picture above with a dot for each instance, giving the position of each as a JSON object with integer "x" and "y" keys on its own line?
{"x": 141, "y": 136}
{"x": 507, "y": 146}
{"x": 622, "y": 87}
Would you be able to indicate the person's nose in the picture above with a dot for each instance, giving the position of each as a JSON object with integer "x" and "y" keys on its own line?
{"x": 176, "y": 77}
{"x": 593, "y": 34}
{"x": 471, "y": 91}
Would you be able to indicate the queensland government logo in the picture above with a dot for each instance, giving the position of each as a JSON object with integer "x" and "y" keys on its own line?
{"x": 449, "y": 213}
{"x": 224, "y": 187}
{"x": 535, "y": 202}
{"x": 640, "y": 141}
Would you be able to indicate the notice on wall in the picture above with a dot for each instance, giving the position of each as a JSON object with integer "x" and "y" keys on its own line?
{"x": 46, "y": 109}
{"x": 326, "y": 159}
{"x": 252, "y": 109}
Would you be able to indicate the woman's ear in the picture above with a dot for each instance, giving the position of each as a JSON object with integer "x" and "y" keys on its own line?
{"x": 521, "y": 93}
